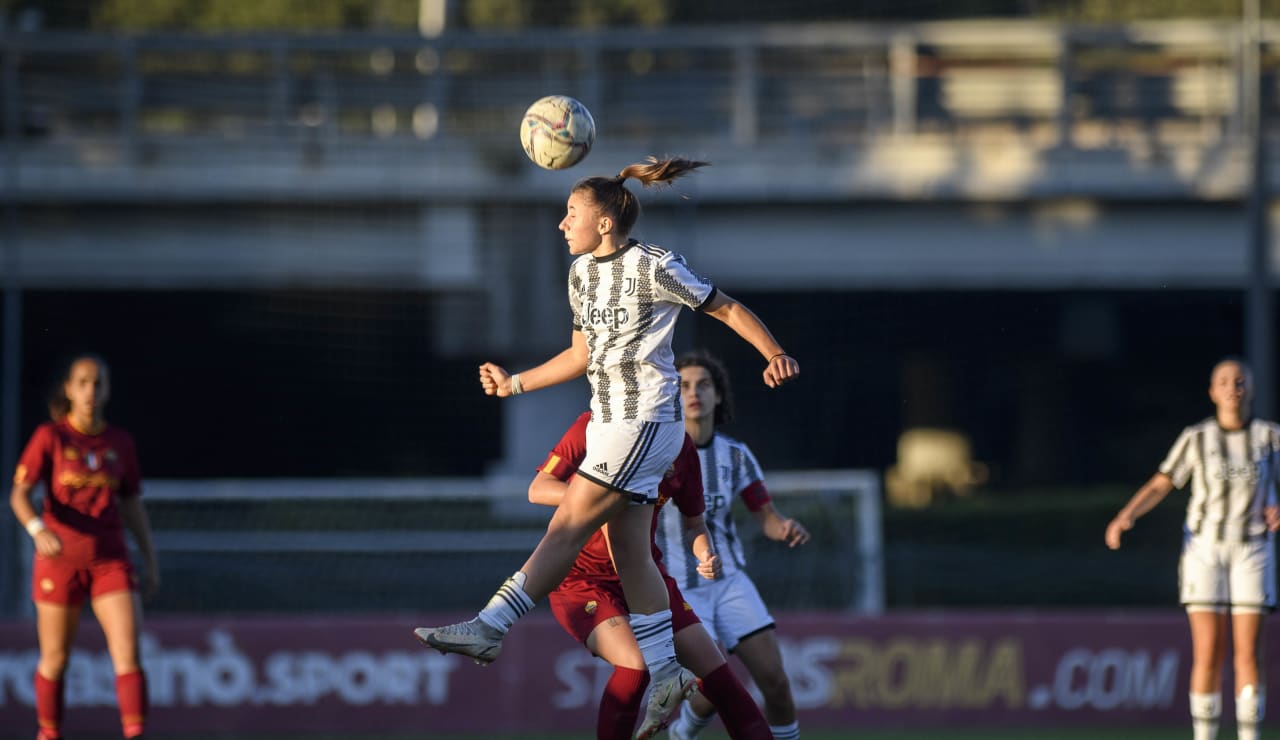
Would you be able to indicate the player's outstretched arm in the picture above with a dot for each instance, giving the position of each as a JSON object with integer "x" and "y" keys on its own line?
{"x": 569, "y": 364}
{"x": 780, "y": 528}
{"x": 782, "y": 367}
{"x": 1151, "y": 493}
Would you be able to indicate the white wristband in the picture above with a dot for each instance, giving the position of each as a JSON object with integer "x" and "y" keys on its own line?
{"x": 35, "y": 527}
{"x": 516, "y": 386}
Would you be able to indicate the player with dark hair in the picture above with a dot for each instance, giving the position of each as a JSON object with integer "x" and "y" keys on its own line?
{"x": 92, "y": 494}
{"x": 730, "y": 606}
{"x": 1228, "y": 545}
{"x": 590, "y": 605}
{"x": 625, "y": 296}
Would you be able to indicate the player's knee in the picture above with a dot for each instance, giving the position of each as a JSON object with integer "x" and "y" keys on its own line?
{"x": 53, "y": 663}
{"x": 1208, "y": 666}
{"x": 775, "y": 686}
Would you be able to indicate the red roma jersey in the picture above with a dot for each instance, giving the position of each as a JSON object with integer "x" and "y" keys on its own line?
{"x": 83, "y": 474}
{"x": 682, "y": 484}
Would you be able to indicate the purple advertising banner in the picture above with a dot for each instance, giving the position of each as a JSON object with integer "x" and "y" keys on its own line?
{"x": 369, "y": 675}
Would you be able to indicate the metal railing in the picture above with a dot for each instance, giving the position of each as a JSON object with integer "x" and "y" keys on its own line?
{"x": 797, "y": 89}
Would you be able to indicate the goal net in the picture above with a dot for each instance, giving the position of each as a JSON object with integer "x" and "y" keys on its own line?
{"x": 443, "y": 544}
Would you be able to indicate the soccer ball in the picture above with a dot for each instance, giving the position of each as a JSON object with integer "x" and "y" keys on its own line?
{"x": 557, "y": 132}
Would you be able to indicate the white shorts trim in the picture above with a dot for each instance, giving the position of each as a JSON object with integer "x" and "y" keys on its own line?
{"x": 631, "y": 456}
{"x": 730, "y": 608}
{"x": 1217, "y": 575}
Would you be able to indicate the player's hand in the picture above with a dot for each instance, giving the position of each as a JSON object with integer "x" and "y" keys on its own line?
{"x": 1272, "y": 516}
{"x": 793, "y": 533}
{"x": 150, "y": 582}
{"x": 710, "y": 567}
{"x": 1118, "y": 526}
{"x": 494, "y": 380}
{"x": 782, "y": 368}
{"x": 48, "y": 544}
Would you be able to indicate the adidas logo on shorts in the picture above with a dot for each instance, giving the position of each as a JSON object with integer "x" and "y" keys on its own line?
{"x": 602, "y": 468}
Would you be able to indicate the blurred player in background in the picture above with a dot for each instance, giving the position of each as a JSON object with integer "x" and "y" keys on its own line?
{"x": 1228, "y": 546}
{"x": 625, "y": 296}
{"x": 92, "y": 494}
{"x": 590, "y": 605}
{"x": 730, "y": 606}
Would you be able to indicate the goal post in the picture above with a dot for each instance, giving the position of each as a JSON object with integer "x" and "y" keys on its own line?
{"x": 848, "y": 500}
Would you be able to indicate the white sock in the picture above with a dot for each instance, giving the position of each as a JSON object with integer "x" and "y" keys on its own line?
{"x": 1251, "y": 706}
{"x": 508, "y": 604}
{"x": 786, "y": 732}
{"x": 1206, "y": 711}
{"x": 692, "y": 722}
{"x": 653, "y": 635}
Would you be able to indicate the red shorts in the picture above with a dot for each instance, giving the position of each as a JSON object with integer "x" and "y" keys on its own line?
{"x": 582, "y": 604}
{"x": 66, "y": 582}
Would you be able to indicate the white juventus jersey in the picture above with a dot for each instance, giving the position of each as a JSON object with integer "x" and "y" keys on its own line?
{"x": 1233, "y": 476}
{"x": 626, "y": 305}
{"x": 728, "y": 469}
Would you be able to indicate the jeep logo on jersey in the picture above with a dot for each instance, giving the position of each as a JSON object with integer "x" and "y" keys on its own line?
{"x": 1243, "y": 471}
{"x": 609, "y": 317}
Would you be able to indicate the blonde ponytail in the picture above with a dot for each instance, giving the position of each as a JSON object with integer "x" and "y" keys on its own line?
{"x": 611, "y": 196}
{"x": 654, "y": 171}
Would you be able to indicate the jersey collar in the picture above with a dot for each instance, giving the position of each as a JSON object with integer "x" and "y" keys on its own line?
{"x": 611, "y": 257}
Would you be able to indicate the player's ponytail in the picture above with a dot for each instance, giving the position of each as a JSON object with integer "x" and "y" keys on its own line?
{"x": 654, "y": 171}
{"x": 613, "y": 198}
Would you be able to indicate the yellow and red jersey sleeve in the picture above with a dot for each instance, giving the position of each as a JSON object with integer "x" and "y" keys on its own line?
{"x": 564, "y": 459}
{"x": 37, "y": 459}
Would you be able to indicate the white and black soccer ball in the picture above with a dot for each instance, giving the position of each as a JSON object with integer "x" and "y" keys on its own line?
{"x": 557, "y": 132}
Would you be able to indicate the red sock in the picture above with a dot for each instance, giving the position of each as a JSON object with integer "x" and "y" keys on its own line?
{"x": 620, "y": 704}
{"x": 49, "y": 702}
{"x": 131, "y": 693}
{"x": 738, "y": 711}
